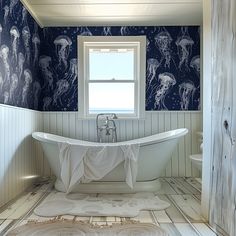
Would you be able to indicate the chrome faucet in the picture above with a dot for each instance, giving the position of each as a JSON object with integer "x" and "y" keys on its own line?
{"x": 109, "y": 126}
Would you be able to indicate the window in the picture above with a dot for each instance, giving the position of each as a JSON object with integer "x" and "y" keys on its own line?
{"x": 111, "y": 75}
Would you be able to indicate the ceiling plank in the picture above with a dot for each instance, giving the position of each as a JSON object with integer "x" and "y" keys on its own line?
{"x": 96, "y": 2}
{"x": 120, "y": 21}
{"x": 115, "y": 12}
{"x": 111, "y": 10}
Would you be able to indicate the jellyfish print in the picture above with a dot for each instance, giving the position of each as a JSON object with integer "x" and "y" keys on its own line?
{"x": 6, "y": 97}
{"x": 163, "y": 43}
{"x": 15, "y": 35}
{"x": 36, "y": 92}
{"x": 4, "y": 54}
{"x": 62, "y": 88}
{"x": 152, "y": 65}
{"x": 25, "y": 91}
{"x": 44, "y": 65}
{"x": 1, "y": 83}
{"x": 36, "y": 28}
{"x": 107, "y": 31}
{"x": 26, "y": 40}
{"x": 24, "y": 14}
{"x": 13, "y": 86}
{"x": 184, "y": 45}
{"x": 72, "y": 73}
{"x": 21, "y": 61}
{"x": 84, "y": 31}
{"x": 167, "y": 81}
{"x": 0, "y": 34}
{"x": 46, "y": 103}
{"x": 62, "y": 45}
{"x": 186, "y": 92}
{"x": 195, "y": 64}
{"x": 148, "y": 44}
{"x": 13, "y": 3}
{"x": 6, "y": 15}
{"x": 124, "y": 30}
{"x": 36, "y": 43}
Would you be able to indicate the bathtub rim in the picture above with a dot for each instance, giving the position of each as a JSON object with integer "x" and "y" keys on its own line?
{"x": 144, "y": 141}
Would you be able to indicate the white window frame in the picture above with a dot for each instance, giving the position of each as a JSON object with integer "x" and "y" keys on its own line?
{"x": 139, "y": 45}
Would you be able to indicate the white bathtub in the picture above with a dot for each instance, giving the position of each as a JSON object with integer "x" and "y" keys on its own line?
{"x": 154, "y": 154}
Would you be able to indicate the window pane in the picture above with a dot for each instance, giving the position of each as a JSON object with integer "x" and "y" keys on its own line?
{"x": 111, "y": 97}
{"x": 114, "y": 64}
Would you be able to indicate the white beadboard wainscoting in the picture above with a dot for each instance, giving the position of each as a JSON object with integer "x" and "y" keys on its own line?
{"x": 18, "y": 151}
{"x": 67, "y": 124}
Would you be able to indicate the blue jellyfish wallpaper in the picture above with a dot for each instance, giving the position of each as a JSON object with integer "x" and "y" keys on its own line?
{"x": 39, "y": 67}
{"x": 19, "y": 52}
{"x": 172, "y": 66}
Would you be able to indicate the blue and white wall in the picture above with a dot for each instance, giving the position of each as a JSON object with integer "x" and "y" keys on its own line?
{"x": 172, "y": 84}
{"x": 173, "y": 66}
{"x": 33, "y": 63}
{"x": 19, "y": 93}
{"x": 19, "y": 52}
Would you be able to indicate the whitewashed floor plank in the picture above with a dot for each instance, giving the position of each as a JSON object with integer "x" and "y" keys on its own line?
{"x": 190, "y": 206}
{"x": 194, "y": 182}
{"x": 170, "y": 229}
{"x": 26, "y": 206}
{"x": 144, "y": 217}
{"x": 162, "y": 217}
{"x": 4, "y": 225}
{"x": 165, "y": 188}
{"x": 199, "y": 180}
{"x": 204, "y": 229}
{"x": 178, "y": 187}
{"x": 185, "y": 229}
{"x": 187, "y": 186}
{"x": 12, "y": 208}
{"x": 172, "y": 211}
{"x": 198, "y": 197}
{"x": 171, "y": 219}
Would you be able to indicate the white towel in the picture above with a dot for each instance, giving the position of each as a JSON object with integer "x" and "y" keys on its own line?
{"x": 86, "y": 163}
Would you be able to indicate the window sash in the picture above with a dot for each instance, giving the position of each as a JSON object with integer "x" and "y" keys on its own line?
{"x": 134, "y": 92}
{"x": 97, "y": 42}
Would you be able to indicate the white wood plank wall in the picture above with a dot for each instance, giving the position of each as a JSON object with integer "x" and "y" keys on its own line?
{"x": 18, "y": 151}
{"x": 67, "y": 124}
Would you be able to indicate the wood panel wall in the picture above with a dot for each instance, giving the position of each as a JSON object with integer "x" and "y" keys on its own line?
{"x": 223, "y": 201}
{"x": 18, "y": 151}
{"x": 67, "y": 124}
{"x": 21, "y": 156}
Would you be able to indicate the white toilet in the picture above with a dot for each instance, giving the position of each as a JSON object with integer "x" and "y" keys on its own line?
{"x": 197, "y": 158}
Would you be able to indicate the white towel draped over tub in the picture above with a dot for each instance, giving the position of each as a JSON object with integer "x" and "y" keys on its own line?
{"x": 80, "y": 163}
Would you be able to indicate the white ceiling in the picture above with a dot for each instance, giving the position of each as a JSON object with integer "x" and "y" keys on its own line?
{"x": 115, "y": 12}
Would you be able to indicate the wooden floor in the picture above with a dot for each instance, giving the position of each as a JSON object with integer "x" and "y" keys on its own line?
{"x": 182, "y": 218}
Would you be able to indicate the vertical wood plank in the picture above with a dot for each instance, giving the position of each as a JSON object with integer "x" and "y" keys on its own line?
{"x": 188, "y": 144}
{"x": 181, "y": 147}
{"x": 17, "y": 152}
{"x": 72, "y": 125}
{"x": 167, "y": 117}
{"x": 175, "y": 155}
{"x": 65, "y": 124}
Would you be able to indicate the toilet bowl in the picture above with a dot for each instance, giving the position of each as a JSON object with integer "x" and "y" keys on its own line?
{"x": 197, "y": 158}
{"x": 197, "y": 161}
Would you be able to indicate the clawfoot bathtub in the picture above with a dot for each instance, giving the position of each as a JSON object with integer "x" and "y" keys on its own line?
{"x": 154, "y": 154}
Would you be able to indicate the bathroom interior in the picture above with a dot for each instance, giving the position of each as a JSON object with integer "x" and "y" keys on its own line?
{"x": 117, "y": 117}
